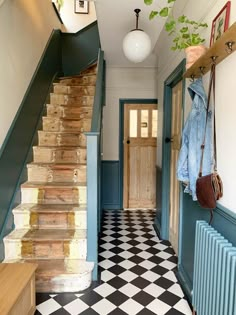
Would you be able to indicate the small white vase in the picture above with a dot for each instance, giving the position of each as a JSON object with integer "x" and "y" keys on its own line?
{"x": 193, "y": 53}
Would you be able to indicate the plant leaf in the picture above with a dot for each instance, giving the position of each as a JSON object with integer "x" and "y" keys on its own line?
{"x": 169, "y": 1}
{"x": 182, "y": 19}
{"x": 164, "y": 12}
{"x": 169, "y": 26}
{"x": 153, "y": 14}
{"x": 148, "y": 2}
{"x": 184, "y": 29}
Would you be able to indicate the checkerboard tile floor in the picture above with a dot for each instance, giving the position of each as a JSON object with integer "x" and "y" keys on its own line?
{"x": 137, "y": 273}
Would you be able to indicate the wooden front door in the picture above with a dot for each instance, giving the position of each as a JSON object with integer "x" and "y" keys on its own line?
{"x": 176, "y": 127}
{"x": 140, "y": 132}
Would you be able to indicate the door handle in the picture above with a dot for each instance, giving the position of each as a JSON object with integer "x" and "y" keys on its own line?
{"x": 167, "y": 140}
{"x": 128, "y": 142}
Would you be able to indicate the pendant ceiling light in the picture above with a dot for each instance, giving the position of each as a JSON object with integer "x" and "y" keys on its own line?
{"x": 137, "y": 44}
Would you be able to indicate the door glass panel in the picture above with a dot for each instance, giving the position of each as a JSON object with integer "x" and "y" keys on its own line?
{"x": 154, "y": 123}
{"x": 133, "y": 119}
{"x": 144, "y": 123}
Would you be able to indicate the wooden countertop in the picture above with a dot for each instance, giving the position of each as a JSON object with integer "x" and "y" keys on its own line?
{"x": 13, "y": 279}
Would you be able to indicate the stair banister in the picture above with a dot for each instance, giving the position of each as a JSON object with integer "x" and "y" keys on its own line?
{"x": 93, "y": 168}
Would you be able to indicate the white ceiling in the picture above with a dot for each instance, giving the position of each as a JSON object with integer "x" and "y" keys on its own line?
{"x": 115, "y": 19}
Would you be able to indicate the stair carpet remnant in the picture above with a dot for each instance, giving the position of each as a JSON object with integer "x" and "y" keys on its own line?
{"x": 50, "y": 223}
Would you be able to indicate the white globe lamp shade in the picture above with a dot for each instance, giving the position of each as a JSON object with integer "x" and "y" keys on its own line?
{"x": 137, "y": 46}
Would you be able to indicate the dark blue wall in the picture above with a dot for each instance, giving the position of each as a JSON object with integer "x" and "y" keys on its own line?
{"x": 80, "y": 49}
{"x": 110, "y": 185}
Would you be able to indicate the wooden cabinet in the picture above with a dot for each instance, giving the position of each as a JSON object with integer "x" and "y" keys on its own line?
{"x": 17, "y": 293}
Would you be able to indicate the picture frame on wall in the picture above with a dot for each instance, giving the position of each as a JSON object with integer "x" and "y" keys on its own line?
{"x": 81, "y": 7}
{"x": 220, "y": 23}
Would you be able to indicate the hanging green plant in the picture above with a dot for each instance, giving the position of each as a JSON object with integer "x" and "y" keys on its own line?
{"x": 185, "y": 32}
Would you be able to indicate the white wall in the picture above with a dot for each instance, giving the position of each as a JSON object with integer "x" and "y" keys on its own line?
{"x": 25, "y": 27}
{"x": 73, "y": 22}
{"x": 225, "y": 93}
{"x": 123, "y": 83}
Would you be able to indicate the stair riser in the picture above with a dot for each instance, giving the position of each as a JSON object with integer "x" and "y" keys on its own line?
{"x": 60, "y": 99}
{"x": 48, "y": 174}
{"x": 69, "y": 112}
{"x": 62, "y": 284}
{"x": 48, "y": 155}
{"x": 85, "y": 80}
{"x": 58, "y": 195}
{"x": 57, "y": 125}
{"x": 75, "y": 90}
{"x": 60, "y": 139}
{"x": 21, "y": 249}
{"x": 50, "y": 220}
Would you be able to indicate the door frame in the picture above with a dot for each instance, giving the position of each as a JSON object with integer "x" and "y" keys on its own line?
{"x": 170, "y": 82}
{"x": 124, "y": 101}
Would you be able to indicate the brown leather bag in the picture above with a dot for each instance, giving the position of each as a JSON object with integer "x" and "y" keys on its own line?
{"x": 209, "y": 188}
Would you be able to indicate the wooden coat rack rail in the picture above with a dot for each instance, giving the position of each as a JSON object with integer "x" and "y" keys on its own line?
{"x": 221, "y": 49}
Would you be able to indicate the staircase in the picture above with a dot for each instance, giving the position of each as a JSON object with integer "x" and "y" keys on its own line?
{"x": 50, "y": 223}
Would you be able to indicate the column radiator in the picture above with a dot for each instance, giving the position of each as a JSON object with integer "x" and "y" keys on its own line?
{"x": 214, "y": 279}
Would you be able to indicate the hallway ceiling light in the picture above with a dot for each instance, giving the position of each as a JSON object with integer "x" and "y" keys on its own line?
{"x": 137, "y": 44}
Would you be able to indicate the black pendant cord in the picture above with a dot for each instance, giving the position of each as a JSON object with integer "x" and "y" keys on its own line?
{"x": 137, "y": 11}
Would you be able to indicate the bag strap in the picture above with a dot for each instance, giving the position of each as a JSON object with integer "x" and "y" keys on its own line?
{"x": 211, "y": 84}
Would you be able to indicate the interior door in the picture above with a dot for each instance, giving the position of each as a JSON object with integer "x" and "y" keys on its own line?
{"x": 176, "y": 127}
{"x": 140, "y": 133}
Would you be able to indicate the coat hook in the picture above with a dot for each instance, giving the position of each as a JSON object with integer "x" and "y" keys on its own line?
{"x": 229, "y": 47}
{"x": 213, "y": 58}
{"x": 202, "y": 70}
{"x": 192, "y": 78}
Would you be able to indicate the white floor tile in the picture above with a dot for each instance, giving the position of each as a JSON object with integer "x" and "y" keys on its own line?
{"x": 170, "y": 276}
{"x": 105, "y": 289}
{"x": 128, "y": 275}
{"x": 144, "y": 255}
{"x": 176, "y": 289}
{"x": 167, "y": 264}
{"x": 150, "y": 275}
{"x": 129, "y": 289}
{"x": 158, "y": 307}
{"x": 131, "y": 307}
{"x": 182, "y": 306}
{"x": 125, "y": 254}
{"x": 127, "y": 264}
{"x": 48, "y": 307}
{"x": 147, "y": 264}
{"x": 154, "y": 290}
{"x": 107, "y": 275}
{"x": 75, "y": 307}
{"x": 164, "y": 255}
{"x": 103, "y": 307}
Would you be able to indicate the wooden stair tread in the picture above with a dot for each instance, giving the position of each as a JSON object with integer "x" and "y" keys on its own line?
{"x": 62, "y": 132}
{"x": 65, "y": 118}
{"x": 47, "y": 208}
{"x": 56, "y": 165}
{"x": 49, "y": 235}
{"x": 51, "y": 147}
{"x": 52, "y": 185}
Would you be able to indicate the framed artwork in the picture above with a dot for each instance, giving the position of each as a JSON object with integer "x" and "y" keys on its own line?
{"x": 220, "y": 23}
{"x": 81, "y": 7}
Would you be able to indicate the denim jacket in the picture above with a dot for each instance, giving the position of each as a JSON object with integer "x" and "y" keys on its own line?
{"x": 192, "y": 137}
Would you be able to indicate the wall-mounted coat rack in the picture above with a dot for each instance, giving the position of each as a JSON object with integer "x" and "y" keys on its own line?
{"x": 221, "y": 49}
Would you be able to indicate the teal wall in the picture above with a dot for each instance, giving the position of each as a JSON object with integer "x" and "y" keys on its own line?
{"x": 15, "y": 150}
{"x": 110, "y": 185}
{"x": 80, "y": 49}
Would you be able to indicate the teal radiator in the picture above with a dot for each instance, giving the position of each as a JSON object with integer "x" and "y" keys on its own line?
{"x": 214, "y": 279}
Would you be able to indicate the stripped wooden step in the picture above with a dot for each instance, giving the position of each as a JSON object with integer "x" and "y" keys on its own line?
{"x": 75, "y": 90}
{"x": 91, "y": 70}
{"x": 59, "y": 154}
{"x": 68, "y": 125}
{"x": 62, "y": 99}
{"x": 46, "y": 244}
{"x": 61, "y": 275}
{"x": 51, "y": 172}
{"x": 80, "y": 80}
{"x": 66, "y": 139}
{"x": 54, "y": 193}
{"x": 69, "y": 112}
{"x": 37, "y": 216}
